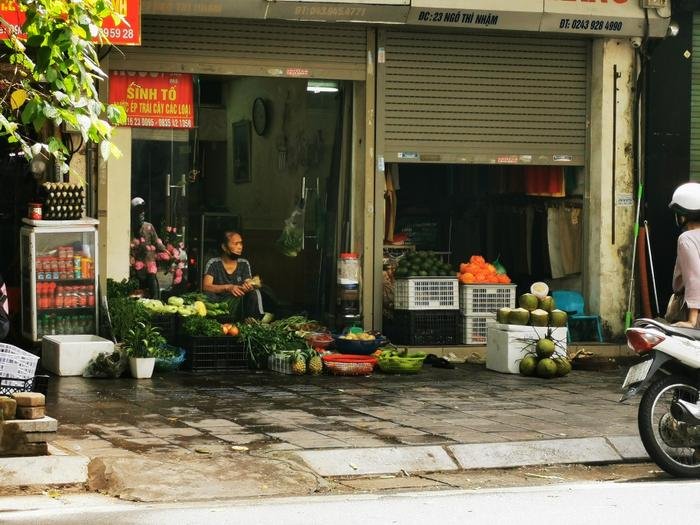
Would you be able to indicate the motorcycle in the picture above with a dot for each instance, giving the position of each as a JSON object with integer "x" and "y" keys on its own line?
{"x": 669, "y": 414}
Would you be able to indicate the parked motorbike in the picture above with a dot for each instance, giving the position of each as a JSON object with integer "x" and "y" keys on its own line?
{"x": 669, "y": 413}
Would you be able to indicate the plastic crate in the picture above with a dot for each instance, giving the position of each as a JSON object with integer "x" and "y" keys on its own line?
{"x": 11, "y": 385}
{"x": 432, "y": 327}
{"x": 482, "y": 299}
{"x": 168, "y": 326}
{"x": 214, "y": 353}
{"x": 474, "y": 329}
{"x": 15, "y": 362}
{"x": 426, "y": 293}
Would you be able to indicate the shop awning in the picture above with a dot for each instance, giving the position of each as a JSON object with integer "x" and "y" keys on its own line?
{"x": 611, "y": 18}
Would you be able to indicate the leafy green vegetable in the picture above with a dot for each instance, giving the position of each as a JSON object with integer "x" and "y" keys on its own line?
{"x": 201, "y": 326}
{"x": 262, "y": 339}
{"x": 124, "y": 313}
{"x": 123, "y": 288}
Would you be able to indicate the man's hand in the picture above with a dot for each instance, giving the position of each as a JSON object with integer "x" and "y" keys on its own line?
{"x": 247, "y": 287}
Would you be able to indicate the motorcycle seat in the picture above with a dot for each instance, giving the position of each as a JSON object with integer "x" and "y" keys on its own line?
{"x": 688, "y": 333}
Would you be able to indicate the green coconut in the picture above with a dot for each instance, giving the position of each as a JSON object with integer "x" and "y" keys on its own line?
{"x": 528, "y": 301}
{"x": 528, "y": 365}
{"x": 546, "y": 368}
{"x": 546, "y": 303}
{"x": 518, "y": 316}
{"x": 539, "y": 317}
{"x": 563, "y": 366}
{"x": 557, "y": 318}
{"x": 502, "y": 315}
{"x": 545, "y": 347}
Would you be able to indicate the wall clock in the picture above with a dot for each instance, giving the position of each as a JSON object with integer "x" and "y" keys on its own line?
{"x": 260, "y": 116}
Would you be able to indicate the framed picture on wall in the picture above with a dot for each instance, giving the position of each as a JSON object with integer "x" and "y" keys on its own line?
{"x": 241, "y": 151}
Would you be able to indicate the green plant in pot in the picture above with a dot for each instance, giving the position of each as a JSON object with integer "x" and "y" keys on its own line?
{"x": 141, "y": 344}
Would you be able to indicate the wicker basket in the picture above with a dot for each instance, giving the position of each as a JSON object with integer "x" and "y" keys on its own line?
{"x": 349, "y": 365}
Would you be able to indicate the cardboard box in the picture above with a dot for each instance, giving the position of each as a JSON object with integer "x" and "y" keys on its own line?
{"x": 505, "y": 348}
{"x": 69, "y": 355}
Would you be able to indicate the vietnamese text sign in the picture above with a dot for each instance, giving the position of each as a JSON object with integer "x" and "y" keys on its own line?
{"x": 126, "y": 33}
{"x": 153, "y": 100}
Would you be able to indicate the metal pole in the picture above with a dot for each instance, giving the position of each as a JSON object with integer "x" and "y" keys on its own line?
{"x": 651, "y": 266}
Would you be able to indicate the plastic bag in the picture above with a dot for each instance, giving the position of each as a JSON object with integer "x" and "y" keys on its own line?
{"x": 291, "y": 241}
{"x": 106, "y": 365}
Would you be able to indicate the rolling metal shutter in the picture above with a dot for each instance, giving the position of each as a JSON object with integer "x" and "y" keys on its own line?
{"x": 236, "y": 47}
{"x": 695, "y": 102}
{"x": 475, "y": 98}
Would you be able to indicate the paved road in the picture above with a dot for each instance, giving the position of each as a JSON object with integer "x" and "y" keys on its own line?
{"x": 640, "y": 503}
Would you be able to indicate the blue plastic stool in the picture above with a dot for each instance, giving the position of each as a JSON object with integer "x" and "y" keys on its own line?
{"x": 572, "y": 303}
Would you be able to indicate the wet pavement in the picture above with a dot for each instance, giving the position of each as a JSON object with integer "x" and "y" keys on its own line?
{"x": 184, "y": 414}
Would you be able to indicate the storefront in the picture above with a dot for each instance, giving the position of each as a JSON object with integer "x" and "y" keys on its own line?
{"x": 467, "y": 102}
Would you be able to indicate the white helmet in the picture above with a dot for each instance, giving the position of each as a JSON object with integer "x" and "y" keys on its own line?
{"x": 137, "y": 202}
{"x": 686, "y": 199}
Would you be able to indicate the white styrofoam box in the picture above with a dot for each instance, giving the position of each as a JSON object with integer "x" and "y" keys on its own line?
{"x": 482, "y": 299}
{"x": 505, "y": 348}
{"x": 68, "y": 355}
{"x": 426, "y": 293}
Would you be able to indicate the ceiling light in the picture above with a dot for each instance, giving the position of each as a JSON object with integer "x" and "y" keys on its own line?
{"x": 322, "y": 86}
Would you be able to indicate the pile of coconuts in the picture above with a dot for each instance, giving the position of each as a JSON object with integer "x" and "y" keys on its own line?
{"x": 543, "y": 360}
{"x": 544, "y": 357}
{"x": 533, "y": 311}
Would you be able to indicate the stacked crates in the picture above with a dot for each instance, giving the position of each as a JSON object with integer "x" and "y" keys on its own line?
{"x": 478, "y": 304}
{"x": 426, "y": 311}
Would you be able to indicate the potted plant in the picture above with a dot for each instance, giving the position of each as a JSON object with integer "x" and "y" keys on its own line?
{"x": 141, "y": 343}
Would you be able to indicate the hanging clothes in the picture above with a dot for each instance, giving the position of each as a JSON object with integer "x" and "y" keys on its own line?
{"x": 564, "y": 240}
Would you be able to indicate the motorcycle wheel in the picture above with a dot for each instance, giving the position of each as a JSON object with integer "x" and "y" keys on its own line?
{"x": 679, "y": 461}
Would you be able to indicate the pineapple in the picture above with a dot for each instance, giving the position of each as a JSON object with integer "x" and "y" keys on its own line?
{"x": 315, "y": 364}
{"x": 298, "y": 363}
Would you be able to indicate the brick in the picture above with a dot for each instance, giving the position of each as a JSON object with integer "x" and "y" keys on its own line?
{"x": 8, "y": 407}
{"x": 31, "y": 412}
{"x": 29, "y": 399}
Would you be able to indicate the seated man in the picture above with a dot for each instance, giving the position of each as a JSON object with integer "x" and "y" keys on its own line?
{"x": 229, "y": 275}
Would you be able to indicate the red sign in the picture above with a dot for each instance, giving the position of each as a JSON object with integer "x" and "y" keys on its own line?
{"x": 126, "y": 33}
{"x": 153, "y": 100}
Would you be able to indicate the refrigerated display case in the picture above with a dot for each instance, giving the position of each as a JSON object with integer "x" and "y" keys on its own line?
{"x": 59, "y": 277}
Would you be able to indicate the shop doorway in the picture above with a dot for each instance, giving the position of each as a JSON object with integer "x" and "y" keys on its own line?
{"x": 529, "y": 218}
{"x": 263, "y": 148}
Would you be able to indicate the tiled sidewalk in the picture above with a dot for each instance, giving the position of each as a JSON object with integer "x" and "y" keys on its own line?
{"x": 185, "y": 413}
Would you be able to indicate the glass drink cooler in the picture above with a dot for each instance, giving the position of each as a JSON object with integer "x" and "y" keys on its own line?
{"x": 59, "y": 277}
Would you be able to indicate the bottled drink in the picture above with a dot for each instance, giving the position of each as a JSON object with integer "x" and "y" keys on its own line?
{"x": 60, "y": 299}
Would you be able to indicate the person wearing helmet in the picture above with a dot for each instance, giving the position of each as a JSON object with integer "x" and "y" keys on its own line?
{"x": 146, "y": 248}
{"x": 686, "y": 274}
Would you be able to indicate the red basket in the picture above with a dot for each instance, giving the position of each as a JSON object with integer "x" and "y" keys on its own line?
{"x": 349, "y": 364}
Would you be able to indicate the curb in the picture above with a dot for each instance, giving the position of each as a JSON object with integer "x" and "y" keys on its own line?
{"x": 43, "y": 470}
{"x": 395, "y": 460}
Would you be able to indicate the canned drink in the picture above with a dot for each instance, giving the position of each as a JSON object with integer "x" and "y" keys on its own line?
{"x": 34, "y": 211}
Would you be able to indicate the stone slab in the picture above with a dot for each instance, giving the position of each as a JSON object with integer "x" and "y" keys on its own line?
{"x": 40, "y": 437}
{"x": 629, "y": 447}
{"x": 380, "y": 460}
{"x": 43, "y": 470}
{"x": 45, "y": 424}
{"x": 546, "y": 452}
